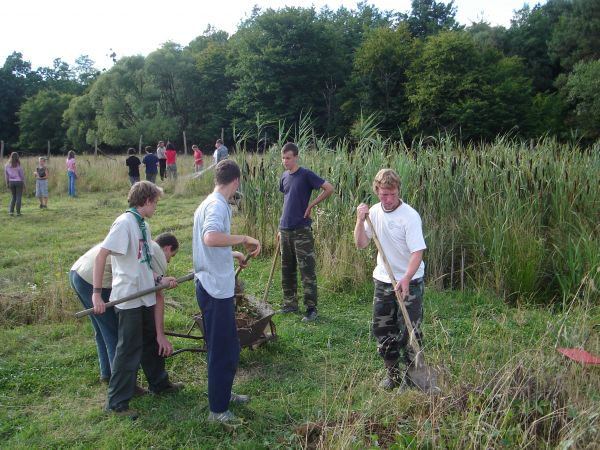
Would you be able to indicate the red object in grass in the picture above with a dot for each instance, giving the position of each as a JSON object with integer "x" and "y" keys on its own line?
{"x": 579, "y": 355}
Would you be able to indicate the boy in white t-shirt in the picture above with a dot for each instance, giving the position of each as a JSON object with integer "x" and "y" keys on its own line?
{"x": 398, "y": 227}
{"x": 128, "y": 244}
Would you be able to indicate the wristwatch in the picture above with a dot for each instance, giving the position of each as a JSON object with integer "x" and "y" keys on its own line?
{"x": 158, "y": 279}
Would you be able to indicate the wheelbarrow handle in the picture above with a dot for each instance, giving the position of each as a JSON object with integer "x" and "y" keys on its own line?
{"x": 89, "y": 311}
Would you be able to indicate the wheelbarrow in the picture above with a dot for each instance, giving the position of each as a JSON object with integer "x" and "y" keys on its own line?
{"x": 253, "y": 319}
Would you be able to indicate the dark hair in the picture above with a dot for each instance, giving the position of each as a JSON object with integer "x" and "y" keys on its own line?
{"x": 226, "y": 172}
{"x": 141, "y": 192}
{"x": 290, "y": 147}
{"x": 14, "y": 160}
{"x": 164, "y": 239}
{"x": 170, "y": 146}
{"x": 71, "y": 154}
{"x": 131, "y": 151}
{"x": 148, "y": 149}
{"x": 220, "y": 141}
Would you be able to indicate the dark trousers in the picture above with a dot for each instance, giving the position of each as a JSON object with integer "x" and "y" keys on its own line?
{"x": 137, "y": 344}
{"x": 298, "y": 252}
{"x": 16, "y": 189}
{"x": 388, "y": 324}
{"x": 223, "y": 344}
{"x": 162, "y": 166}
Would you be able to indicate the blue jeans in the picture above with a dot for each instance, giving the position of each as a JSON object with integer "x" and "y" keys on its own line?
{"x": 105, "y": 325}
{"x": 133, "y": 179}
{"x": 223, "y": 344}
{"x": 72, "y": 178}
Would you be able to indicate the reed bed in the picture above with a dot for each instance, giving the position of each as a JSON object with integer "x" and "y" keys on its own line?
{"x": 521, "y": 220}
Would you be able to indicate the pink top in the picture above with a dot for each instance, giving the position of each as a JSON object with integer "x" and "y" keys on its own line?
{"x": 171, "y": 156}
{"x": 71, "y": 165}
{"x": 198, "y": 156}
{"x": 13, "y": 173}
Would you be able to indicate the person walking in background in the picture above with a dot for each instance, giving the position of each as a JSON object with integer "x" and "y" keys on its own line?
{"x": 212, "y": 256}
{"x": 71, "y": 172}
{"x": 133, "y": 164}
{"x": 221, "y": 151}
{"x": 297, "y": 242}
{"x": 171, "y": 155}
{"x": 41, "y": 182}
{"x": 399, "y": 229}
{"x": 162, "y": 158}
{"x": 15, "y": 182}
{"x": 128, "y": 245}
{"x": 198, "y": 158}
{"x": 151, "y": 162}
{"x": 105, "y": 325}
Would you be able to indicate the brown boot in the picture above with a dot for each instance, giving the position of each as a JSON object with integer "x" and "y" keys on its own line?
{"x": 393, "y": 377}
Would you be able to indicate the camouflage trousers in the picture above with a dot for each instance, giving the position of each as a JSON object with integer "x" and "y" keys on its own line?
{"x": 388, "y": 324}
{"x": 298, "y": 252}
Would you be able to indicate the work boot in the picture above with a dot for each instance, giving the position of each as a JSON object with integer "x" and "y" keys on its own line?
{"x": 393, "y": 377}
{"x": 170, "y": 388}
{"x": 311, "y": 314}
{"x": 125, "y": 412}
{"x": 139, "y": 391}
{"x": 287, "y": 309}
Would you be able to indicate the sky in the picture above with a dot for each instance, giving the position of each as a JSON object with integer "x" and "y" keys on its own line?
{"x": 43, "y": 30}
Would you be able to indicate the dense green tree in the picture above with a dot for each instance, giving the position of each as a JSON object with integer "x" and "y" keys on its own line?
{"x": 428, "y": 17}
{"x": 79, "y": 120}
{"x": 286, "y": 64}
{"x": 457, "y": 86}
{"x": 40, "y": 120}
{"x": 380, "y": 72}
{"x": 576, "y": 37}
{"x": 582, "y": 91}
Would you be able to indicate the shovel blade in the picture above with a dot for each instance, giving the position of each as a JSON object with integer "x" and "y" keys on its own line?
{"x": 579, "y": 355}
{"x": 423, "y": 377}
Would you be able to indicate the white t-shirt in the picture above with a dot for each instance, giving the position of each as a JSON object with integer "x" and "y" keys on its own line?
{"x": 130, "y": 273}
{"x": 401, "y": 234}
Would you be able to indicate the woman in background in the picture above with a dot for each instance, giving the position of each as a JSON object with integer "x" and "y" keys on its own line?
{"x": 71, "y": 172}
{"x": 15, "y": 181}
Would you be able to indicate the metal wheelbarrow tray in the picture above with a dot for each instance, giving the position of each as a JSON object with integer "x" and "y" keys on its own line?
{"x": 254, "y": 325}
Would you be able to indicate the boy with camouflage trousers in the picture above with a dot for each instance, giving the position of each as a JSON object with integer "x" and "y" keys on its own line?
{"x": 399, "y": 229}
{"x": 297, "y": 243}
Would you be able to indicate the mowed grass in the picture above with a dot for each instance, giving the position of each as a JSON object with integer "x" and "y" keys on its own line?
{"x": 503, "y": 384}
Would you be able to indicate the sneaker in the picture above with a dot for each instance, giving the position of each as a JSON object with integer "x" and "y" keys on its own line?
{"x": 226, "y": 417}
{"x": 18, "y": 214}
{"x": 41, "y": 206}
{"x": 239, "y": 398}
{"x": 129, "y": 413}
{"x": 104, "y": 380}
{"x": 311, "y": 314}
{"x": 288, "y": 309}
{"x": 140, "y": 391}
{"x": 170, "y": 389}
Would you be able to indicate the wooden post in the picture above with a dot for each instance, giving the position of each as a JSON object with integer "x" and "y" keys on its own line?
{"x": 222, "y": 135}
{"x": 48, "y": 149}
{"x": 462, "y": 269}
{"x": 1, "y": 149}
{"x": 184, "y": 144}
{"x": 96, "y": 147}
{"x": 140, "y": 145}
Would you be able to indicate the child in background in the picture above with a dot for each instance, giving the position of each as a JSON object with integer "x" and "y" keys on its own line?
{"x": 133, "y": 163}
{"x": 151, "y": 163}
{"x": 15, "y": 181}
{"x": 198, "y": 158}
{"x": 171, "y": 155}
{"x": 71, "y": 172}
{"x": 41, "y": 182}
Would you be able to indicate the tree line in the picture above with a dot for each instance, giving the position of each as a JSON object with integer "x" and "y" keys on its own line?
{"x": 412, "y": 74}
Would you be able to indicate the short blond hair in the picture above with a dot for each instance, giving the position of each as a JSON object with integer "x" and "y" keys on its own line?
{"x": 141, "y": 192}
{"x": 386, "y": 179}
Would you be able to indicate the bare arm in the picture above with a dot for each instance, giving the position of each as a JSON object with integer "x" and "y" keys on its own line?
{"x": 413, "y": 265}
{"x": 326, "y": 191}
{"x": 164, "y": 346}
{"x": 361, "y": 240}
{"x": 99, "y": 264}
{"x": 215, "y": 239}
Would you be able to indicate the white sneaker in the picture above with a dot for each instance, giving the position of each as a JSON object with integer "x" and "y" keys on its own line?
{"x": 224, "y": 417}
{"x": 239, "y": 398}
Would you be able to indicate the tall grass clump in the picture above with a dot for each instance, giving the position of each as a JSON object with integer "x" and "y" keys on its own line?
{"x": 521, "y": 220}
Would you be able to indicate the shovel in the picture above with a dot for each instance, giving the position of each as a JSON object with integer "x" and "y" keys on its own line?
{"x": 422, "y": 376}
{"x": 579, "y": 354}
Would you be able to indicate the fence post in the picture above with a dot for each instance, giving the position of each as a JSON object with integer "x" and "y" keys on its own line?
{"x": 96, "y": 147}
{"x": 222, "y": 134}
{"x": 140, "y": 145}
{"x": 184, "y": 144}
{"x": 48, "y": 149}
{"x": 1, "y": 149}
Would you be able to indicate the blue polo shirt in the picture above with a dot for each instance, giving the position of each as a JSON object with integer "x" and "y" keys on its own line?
{"x": 151, "y": 161}
{"x": 297, "y": 188}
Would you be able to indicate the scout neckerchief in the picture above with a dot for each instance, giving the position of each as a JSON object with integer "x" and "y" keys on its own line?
{"x": 142, "y": 225}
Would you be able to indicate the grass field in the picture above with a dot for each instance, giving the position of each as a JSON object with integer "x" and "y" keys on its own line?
{"x": 503, "y": 384}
